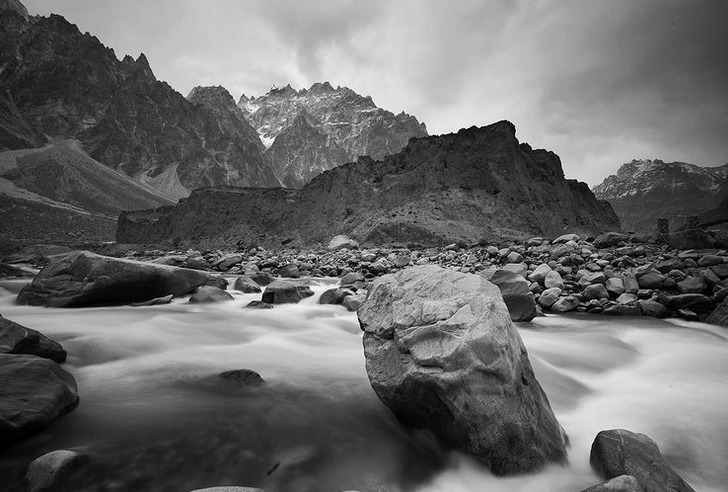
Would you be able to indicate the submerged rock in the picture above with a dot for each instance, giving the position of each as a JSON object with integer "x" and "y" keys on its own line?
{"x": 442, "y": 354}
{"x": 48, "y": 472}
{"x": 17, "y": 339}
{"x": 34, "y": 393}
{"x": 86, "y": 279}
{"x": 620, "y": 452}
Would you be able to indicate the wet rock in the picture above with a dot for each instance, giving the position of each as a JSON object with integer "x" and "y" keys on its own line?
{"x": 262, "y": 278}
{"x": 48, "y": 472}
{"x": 353, "y": 303}
{"x": 652, "y": 280}
{"x": 259, "y": 305}
{"x": 229, "y": 261}
{"x": 596, "y": 291}
{"x": 243, "y": 377}
{"x": 565, "y": 304}
{"x": 691, "y": 285}
{"x": 615, "y": 286}
{"x": 246, "y": 285}
{"x": 283, "y": 292}
{"x": 154, "y": 302}
{"x": 549, "y": 297}
{"x": 621, "y": 452}
{"x": 87, "y": 279}
{"x": 35, "y": 392}
{"x": 622, "y": 310}
{"x": 720, "y": 315}
{"x": 334, "y": 296}
{"x": 208, "y": 295}
{"x": 721, "y": 271}
{"x": 449, "y": 359}
{"x": 516, "y": 294}
{"x": 13, "y": 271}
{"x": 653, "y": 308}
{"x": 566, "y": 238}
{"x": 696, "y": 302}
{"x": 342, "y": 242}
{"x": 622, "y": 483}
{"x": 217, "y": 282}
{"x": 289, "y": 271}
{"x": 17, "y": 339}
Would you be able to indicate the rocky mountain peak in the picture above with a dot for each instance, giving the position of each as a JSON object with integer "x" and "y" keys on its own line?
{"x": 142, "y": 65}
{"x": 210, "y": 95}
{"x": 13, "y": 7}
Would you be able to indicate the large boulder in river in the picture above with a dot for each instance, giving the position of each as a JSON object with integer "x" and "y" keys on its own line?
{"x": 284, "y": 292}
{"x": 34, "y": 393}
{"x": 442, "y": 354}
{"x": 17, "y": 339}
{"x": 620, "y": 452}
{"x": 87, "y": 279}
{"x": 516, "y": 294}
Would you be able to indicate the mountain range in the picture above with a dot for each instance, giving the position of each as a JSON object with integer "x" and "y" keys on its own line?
{"x": 644, "y": 190}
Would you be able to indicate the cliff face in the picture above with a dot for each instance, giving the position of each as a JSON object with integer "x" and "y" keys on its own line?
{"x": 477, "y": 184}
{"x": 644, "y": 190}
{"x": 316, "y": 129}
{"x": 60, "y": 83}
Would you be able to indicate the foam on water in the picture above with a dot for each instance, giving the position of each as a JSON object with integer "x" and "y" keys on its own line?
{"x": 154, "y": 416}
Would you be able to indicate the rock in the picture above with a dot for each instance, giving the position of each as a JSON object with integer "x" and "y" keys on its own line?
{"x": 13, "y": 271}
{"x": 721, "y": 271}
{"x": 595, "y": 291}
{"x": 549, "y": 297}
{"x": 688, "y": 314}
{"x": 229, "y": 261}
{"x": 615, "y": 286}
{"x": 626, "y": 298}
{"x": 448, "y": 359}
{"x": 710, "y": 260}
{"x": 341, "y": 242}
{"x": 566, "y": 238}
{"x": 516, "y": 294}
{"x": 691, "y": 285}
{"x": 243, "y": 377}
{"x": 154, "y": 302}
{"x": 87, "y": 279}
{"x": 696, "y": 302}
{"x": 631, "y": 286}
{"x": 259, "y": 305}
{"x": 553, "y": 279}
{"x": 653, "y": 308}
{"x": 622, "y": 310}
{"x": 171, "y": 260}
{"x": 565, "y": 304}
{"x": 334, "y": 296}
{"x": 246, "y": 285}
{"x": 196, "y": 263}
{"x": 17, "y": 339}
{"x": 652, "y": 280}
{"x": 622, "y": 483}
{"x": 207, "y": 295}
{"x": 262, "y": 278}
{"x": 539, "y": 274}
{"x": 35, "y": 392}
{"x": 517, "y": 268}
{"x": 609, "y": 239}
{"x": 351, "y": 279}
{"x": 48, "y": 472}
{"x": 620, "y": 452}
{"x": 289, "y": 271}
{"x": 218, "y": 282}
{"x": 709, "y": 277}
{"x": 514, "y": 257}
{"x": 353, "y": 302}
{"x": 229, "y": 488}
{"x": 283, "y": 292}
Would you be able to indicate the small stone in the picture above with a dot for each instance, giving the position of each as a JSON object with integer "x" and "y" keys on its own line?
{"x": 539, "y": 274}
{"x": 243, "y": 377}
{"x": 565, "y": 304}
{"x": 514, "y": 257}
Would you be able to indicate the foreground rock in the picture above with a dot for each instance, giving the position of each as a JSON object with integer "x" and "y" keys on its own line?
{"x": 442, "y": 354}
{"x": 17, "y": 339}
{"x": 283, "y": 292}
{"x": 87, "y": 279}
{"x": 620, "y": 452}
{"x": 48, "y": 472}
{"x": 35, "y": 392}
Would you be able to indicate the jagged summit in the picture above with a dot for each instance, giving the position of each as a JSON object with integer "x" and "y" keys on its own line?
{"x": 644, "y": 190}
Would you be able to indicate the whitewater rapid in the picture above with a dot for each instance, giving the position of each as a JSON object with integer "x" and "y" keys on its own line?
{"x": 153, "y": 415}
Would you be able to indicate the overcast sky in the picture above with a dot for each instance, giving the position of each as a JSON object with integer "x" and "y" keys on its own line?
{"x": 598, "y": 82}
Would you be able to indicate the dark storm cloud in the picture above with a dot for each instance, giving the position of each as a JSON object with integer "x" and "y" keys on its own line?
{"x": 600, "y": 83}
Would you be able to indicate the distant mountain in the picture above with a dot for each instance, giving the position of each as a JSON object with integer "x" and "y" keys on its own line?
{"x": 477, "y": 184}
{"x": 57, "y": 82}
{"x": 316, "y": 129}
{"x": 644, "y": 190}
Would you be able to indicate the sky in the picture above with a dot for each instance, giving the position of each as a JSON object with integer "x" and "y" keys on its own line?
{"x": 598, "y": 82}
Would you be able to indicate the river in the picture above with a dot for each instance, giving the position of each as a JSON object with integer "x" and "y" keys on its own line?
{"x": 154, "y": 416}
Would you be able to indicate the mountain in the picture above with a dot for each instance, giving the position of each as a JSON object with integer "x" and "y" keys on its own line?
{"x": 59, "y": 83}
{"x": 644, "y": 190}
{"x": 477, "y": 184}
{"x": 316, "y": 129}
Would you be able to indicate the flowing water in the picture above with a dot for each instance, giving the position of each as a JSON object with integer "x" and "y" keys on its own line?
{"x": 154, "y": 416}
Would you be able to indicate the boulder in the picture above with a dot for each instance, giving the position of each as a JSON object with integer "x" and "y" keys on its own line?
{"x": 553, "y": 279}
{"x": 566, "y": 238}
{"x": 86, "y": 279}
{"x": 549, "y": 297}
{"x": 259, "y": 305}
{"x": 539, "y": 274}
{"x": 17, "y": 339}
{"x": 47, "y": 473}
{"x": 334, "y": 296}
{"x": 653, "y": 308}
{"x": 289, "y": 271}
{"x": 610, "y": 239}
{"x": 719, "y": 316}
{"x": 626, "y": 298}
{"x": 13, "y": 271}
{"x": 516, "y": 294}
{"x": 351, "y": 278}
{"x": 353, "y": 303}
{"x": 243, "y": 377}
{"x": 651, "y": 280}
{"x": 35, "y": 392}
{"x": 695, "y": 302}
{"x": 615, "y": 286}
{"x": 207, "y": 294}
{"x": 514, "y": 257}
{"x": 517, "y": 268}
{"x": 442, "y": 353}
{"x": 262, "y": 278}
{"x": 229, "y": 261}
{"x": 565, "y": 304}
{"x": 596, "y": 291}
{"x": 341, "y": 242}
{"x": 283, "y": 292}
{"x": 246, "y": 285}
{"x": 691, "y": 285}
{"x": 217, "y": 281}
{"x": 622, "y": 483}
{"x": 620, "y": 452}
{"x": 710, "y": 260}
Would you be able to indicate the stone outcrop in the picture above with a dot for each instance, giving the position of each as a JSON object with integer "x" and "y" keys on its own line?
{"x": 87, "y": 279}
{"x": 442, "y": 354}
{"x": 476, "y": 185}
{"x": 35, "y": 392}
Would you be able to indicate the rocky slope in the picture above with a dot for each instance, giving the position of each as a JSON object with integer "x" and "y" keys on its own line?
{"x": 313, "y": 130}
{"x": 477, "y": 184}
{"x": 58, "y": 82}
{"x": 644, "y": 190}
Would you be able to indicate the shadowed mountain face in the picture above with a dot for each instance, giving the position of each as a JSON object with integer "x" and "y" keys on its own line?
{"x": 313, "y": 130}
{"x": 644, "y": 190}
{"x": 477, "y": 184}
{"x": 58, "y": 82}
